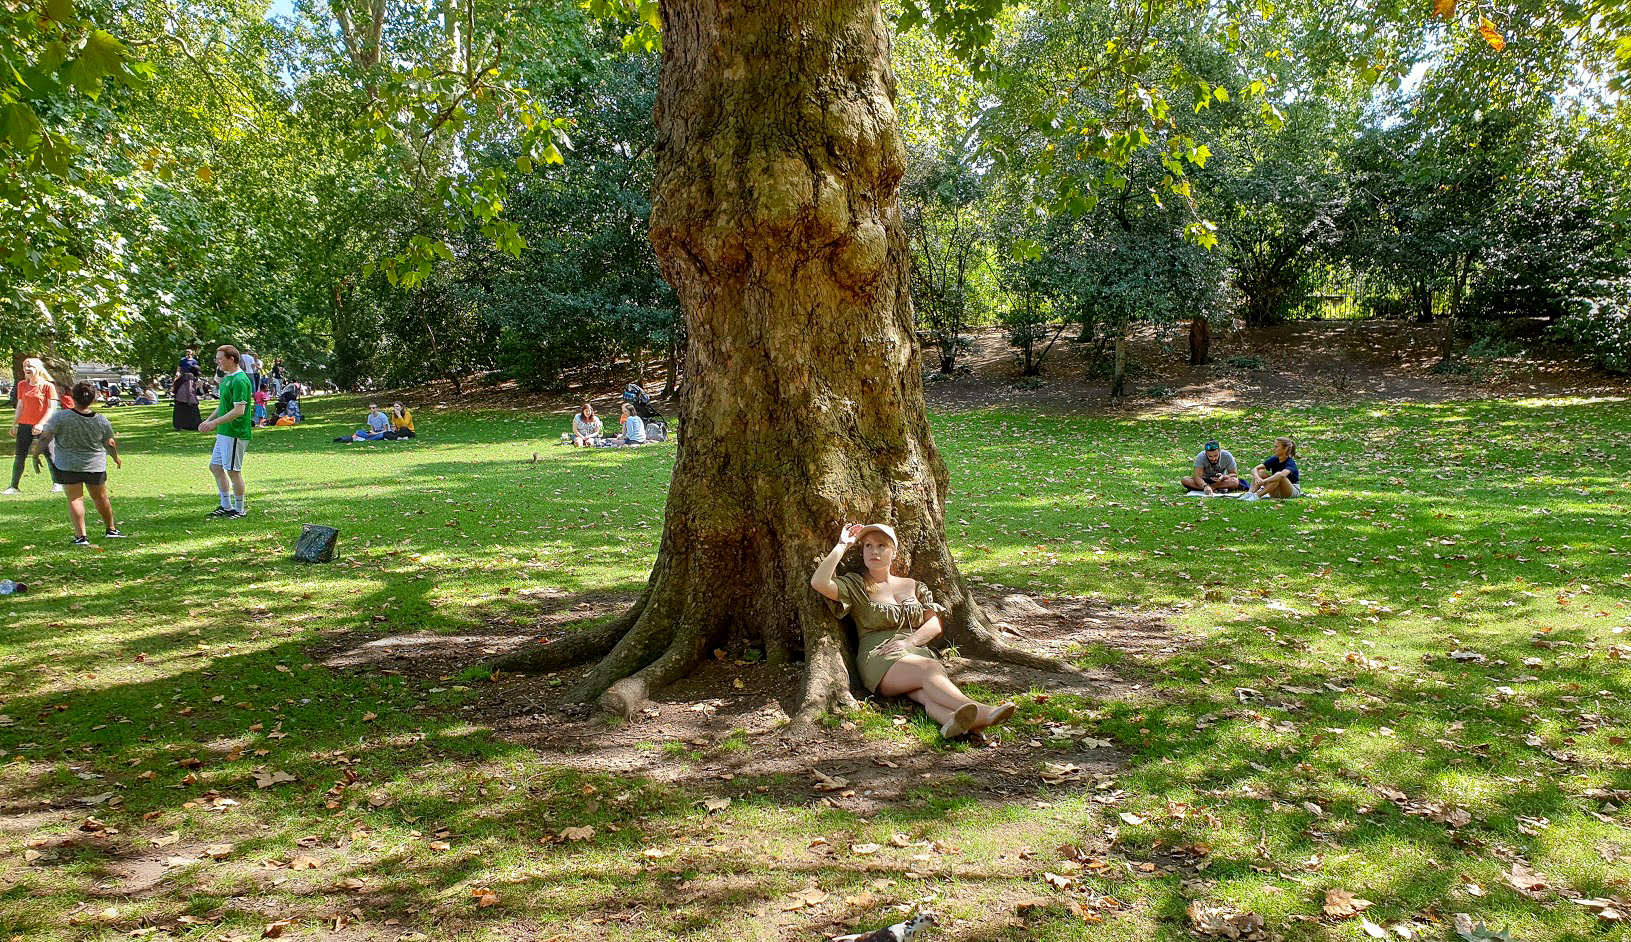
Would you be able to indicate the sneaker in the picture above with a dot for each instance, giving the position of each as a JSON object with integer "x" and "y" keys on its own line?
{"x": 10, "y": 490}
{"x": 219, "y": 512}
{"x": 114, "y": 534}
{"x": 56, "y": 488}
{"x": 81, "y": 541}
{"x": 235, "y": 515}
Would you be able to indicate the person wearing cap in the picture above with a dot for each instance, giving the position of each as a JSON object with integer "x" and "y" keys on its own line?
{"x": 895, "y": 617}
{"x": 1215, "y": 470}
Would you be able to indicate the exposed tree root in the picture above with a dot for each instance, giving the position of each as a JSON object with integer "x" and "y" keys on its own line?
{"x": 975, "y": 639}
{"x": 573, "y": 649}
{"x": 826, "y": 675}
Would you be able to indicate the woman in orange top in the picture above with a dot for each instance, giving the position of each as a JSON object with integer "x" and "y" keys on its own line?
{"x": 36, "y": 401}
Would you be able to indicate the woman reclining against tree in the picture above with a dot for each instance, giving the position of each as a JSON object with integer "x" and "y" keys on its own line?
{"x": 895, "y": 616}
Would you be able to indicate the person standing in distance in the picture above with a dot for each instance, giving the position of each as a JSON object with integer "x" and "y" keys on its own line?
{"x": 231, "y": 424}
{"x": 36, "y": 403}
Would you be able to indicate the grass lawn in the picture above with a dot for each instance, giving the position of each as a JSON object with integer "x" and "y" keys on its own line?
{"x": 1412, "y": 688}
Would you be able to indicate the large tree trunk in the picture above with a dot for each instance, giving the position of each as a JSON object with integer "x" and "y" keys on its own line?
{"x": 775, "y": 219}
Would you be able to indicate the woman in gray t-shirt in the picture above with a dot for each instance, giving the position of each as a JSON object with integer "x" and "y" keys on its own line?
{"x": 81, "y": 442}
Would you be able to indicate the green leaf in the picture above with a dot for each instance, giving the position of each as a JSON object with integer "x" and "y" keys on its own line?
{"x": 19, "y": 126}
{"x": 60, "y": 10}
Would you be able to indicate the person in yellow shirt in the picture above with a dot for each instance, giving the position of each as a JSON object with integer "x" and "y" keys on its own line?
{"x": 401, "y": 421}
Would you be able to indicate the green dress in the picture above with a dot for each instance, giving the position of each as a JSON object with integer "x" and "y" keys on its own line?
{"x": 878, "y": 622}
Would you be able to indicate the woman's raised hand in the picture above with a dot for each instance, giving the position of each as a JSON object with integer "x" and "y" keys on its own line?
{"x": 847, "y": 535}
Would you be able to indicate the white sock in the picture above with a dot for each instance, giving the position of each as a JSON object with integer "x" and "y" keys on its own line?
{"x": 238, "y": 503}
{"x": 226, "y": 501}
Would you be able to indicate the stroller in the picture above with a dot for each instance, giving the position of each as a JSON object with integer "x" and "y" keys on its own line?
{"x": 634, "y": 394}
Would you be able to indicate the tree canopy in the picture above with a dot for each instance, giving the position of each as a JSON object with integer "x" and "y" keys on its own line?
{"x": 361, "y": 185}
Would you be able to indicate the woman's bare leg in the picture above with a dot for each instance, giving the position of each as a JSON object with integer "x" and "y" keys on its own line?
{"x": 924, "y": 680}
{"x": 76, "y": 506}
{"x": 104, "y": 507}
{"x": 1280, "y": 488}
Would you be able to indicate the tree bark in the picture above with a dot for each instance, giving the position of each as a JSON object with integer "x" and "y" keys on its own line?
{"x": 776, "y": 221}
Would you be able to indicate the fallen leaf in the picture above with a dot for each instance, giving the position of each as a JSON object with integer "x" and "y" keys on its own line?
{"x": 174, "y": 837}
{"x": 304, "y": 862}
{"x": 266, "y": 778}
{"x": 716, "y": 804}
{"x": 863, "y": 850}
{"x": 803, "y": 898}
{"x": 1210, "y": 919}
{"x": 485, "y": 897}
{"x": 1340, "y": 904}
{"x": 577, "y": 833}
{"x": 275, "y": 930}
{"x": 1372, "y": 929}
{"x": 218, "y": 851}
{"x": 1131, "y": 818}
{"x": 1526, "y": 881}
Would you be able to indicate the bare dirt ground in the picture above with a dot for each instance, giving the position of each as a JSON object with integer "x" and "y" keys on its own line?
{"x": 1302, "y": 362}
{"x": 728, "y": 720}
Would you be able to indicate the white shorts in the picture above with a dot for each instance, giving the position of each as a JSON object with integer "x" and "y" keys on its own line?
{"x": 229, "y": 453}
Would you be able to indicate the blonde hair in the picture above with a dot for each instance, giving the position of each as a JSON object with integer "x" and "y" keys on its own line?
{"x": 34, "y": 370}
{"x": 1291, "y": 446}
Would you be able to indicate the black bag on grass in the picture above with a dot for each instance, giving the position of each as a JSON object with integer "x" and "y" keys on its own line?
{"x": 316, "y": 543}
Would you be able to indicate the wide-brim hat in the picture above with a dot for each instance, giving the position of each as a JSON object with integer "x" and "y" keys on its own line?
{"x": 883, "y": 528}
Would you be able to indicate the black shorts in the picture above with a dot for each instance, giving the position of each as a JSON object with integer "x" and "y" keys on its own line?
{"x": 98, "y": 478}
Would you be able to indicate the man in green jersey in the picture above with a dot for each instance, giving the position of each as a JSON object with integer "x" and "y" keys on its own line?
{"x": 231, "y": 424}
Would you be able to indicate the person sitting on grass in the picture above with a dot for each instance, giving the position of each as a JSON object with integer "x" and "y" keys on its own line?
{"x": 378, "y": 425}
{"x": 586, "y": 427}
{"x": 895, "y": 617}
{"x": 1215, "y": 471}
{"x": 288, "y": 402}
{"x": 634, "y": 428}
{"x": 1277, "y": 475}
{"x": 401, "y": 422}
{"x": 81, "y": 442}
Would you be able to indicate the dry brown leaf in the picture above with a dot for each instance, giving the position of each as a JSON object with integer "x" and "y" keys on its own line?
{"x": 1059, "y": 881}
{"x": 803, "y": 898}
{"x": 1526, "y": 881}
{"x": 1210, "y": 919}
{"x": 1131, "y": 818}
{"x": 713, "y": 805}
{"x": 1491, "y": 35}
{"x": 218, "y": 851}
{"x": 174, "y": 837}
{"x": 485, "y": 897}
{"x": 1372, "y": 929}
{"x": 577, "y": 834}
{"x": 275, "y": 930}
{"x": 1444, "y": 8}
{"x": 304, "y": 862}
{"x": 1340, "y": 904}
{"x": 266, "y": 778}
